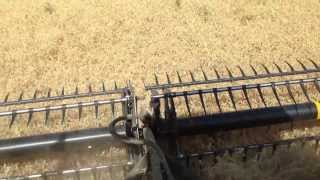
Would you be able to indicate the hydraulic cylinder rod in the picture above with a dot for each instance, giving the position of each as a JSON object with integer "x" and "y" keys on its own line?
{"x": 246, "y": 119}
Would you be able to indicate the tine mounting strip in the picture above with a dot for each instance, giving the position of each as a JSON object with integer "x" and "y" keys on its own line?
{"x": 240, "y": 87}
{"x": 75, "y": 172}
{"x": 256, "y": 75}
{"x": 63, "y": 96}
{"x": 61, "y": 107}
{"x": 256, "y": 147}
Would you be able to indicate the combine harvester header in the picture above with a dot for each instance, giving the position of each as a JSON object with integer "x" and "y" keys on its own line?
{"x": 159, "y": 143}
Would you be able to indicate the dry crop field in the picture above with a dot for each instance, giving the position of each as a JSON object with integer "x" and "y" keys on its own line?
{"x": 68, "y": 43}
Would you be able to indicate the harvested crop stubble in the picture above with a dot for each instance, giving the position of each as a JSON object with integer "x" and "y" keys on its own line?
{"x": 71, "y": 42}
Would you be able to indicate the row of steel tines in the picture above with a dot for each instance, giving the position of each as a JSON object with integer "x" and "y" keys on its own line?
{"x": 107, "y": 171}
{"x": 255, "y": 152}
{"x": 119, "y": 95}
{"x": 254, "y": 72}
{"x": 308, "y": 86}
{"x": 291, "y": 86}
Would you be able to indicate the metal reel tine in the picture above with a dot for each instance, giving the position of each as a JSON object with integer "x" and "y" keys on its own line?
{"x": 30, "y": 116}
{"x": 316, "y": 83}
{"x": 204, "y": 74}
{"x": 254, "y": 70}
{"x": 35, "y": 94}
{"x": 13, "y": 118}
{"x": 96, "y": 108}
{"x": 47, "y": 113}
{"x": 6, "y": 98}
{"x": 302, "y": 65}
{"x": 62, "y": 91}
{"x": 90, "y": 88}
{"x": 187, "y": 102}
{"x": 156, "y": 79}
{"x": 290, "y": 66}
{"x": 179, "y": 77}
{"x": 274, "y": 90}
{"x": 243, "y": 74}
{"x": 76, "y": 91}
{"x": 215, "y": 93}
{"x": 49, "y": 93}
{"x": 112, "y": 108}
{"x": 314, "y": 63}
{"x": 304, "y": 90}
{"x": 229, "y": 72}
{"x": 80, "y": 110}
{"x": 261, "y": 95}
{"x": 168, "y": 78}
{"x": 202, "y": 102}
{"x": 265, "y": 68}
{"x": 103, "y": 87}
{"x": 217, "y": 73}
{"x": 115, "y": 85}
{"x": 64, "y": 109}
{"x": 245, "y": 92}
{"x": 290, "y": 93}
{"x": 278, "y": 67}
{"x": 192, "y": 76}
{"x": 21, "y": 96}
{"x": 232, "y": 98}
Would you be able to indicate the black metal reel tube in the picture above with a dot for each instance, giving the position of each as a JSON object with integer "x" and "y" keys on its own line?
{"x": 31, "y": 144}
{"x": 245, "y": 119}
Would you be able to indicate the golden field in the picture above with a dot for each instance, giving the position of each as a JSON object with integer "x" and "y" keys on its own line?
{"x": 79, "y": 42}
